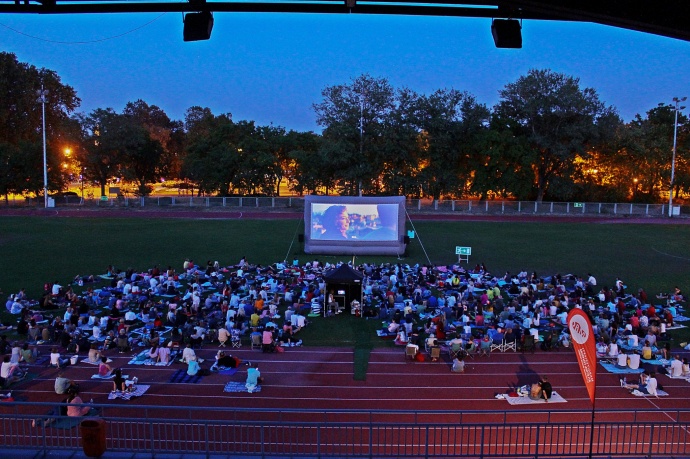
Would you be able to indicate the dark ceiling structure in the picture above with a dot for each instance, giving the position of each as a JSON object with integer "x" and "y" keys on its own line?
{"x": 670, "y": 18}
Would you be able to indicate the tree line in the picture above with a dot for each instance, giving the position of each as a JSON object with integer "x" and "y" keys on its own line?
{"x": 546, "y": 138}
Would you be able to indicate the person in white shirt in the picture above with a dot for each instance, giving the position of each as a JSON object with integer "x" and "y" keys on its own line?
{"x": 676, "y": 368}
{"x": 188, "y": 353}
{"x": 56, "y": 289}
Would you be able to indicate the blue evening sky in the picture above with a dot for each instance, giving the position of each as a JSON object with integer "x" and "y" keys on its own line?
{"x": 271, "y": 68}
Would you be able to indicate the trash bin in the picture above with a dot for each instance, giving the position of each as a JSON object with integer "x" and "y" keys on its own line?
{"x": 93, "y": 436}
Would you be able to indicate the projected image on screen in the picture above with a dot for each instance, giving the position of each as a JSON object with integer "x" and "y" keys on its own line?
{"x": 366, "y": 222}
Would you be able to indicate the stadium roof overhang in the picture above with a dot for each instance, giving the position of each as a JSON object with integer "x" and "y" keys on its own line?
{"x": 662, "y": 17}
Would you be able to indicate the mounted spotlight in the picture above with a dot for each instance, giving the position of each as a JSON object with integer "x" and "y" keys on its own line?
{"x": 507, "y": 33}
{"x": 198, "y": 26}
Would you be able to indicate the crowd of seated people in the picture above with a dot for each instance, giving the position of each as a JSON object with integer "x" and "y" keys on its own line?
{"x": 203, "y": 303}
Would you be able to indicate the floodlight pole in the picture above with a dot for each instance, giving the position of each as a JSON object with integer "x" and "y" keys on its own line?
{"x": 42, "y": 99}
{"x": 361, "y": 138}
{"x": 673, "y": 160}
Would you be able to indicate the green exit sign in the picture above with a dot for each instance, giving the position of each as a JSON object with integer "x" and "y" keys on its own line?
{"x": 463, "y": 250}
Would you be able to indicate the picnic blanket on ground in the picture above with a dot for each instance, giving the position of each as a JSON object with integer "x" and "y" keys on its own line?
{"x": 612, "y": 368}
{"x": 41, "y": 360}
{"x": 138, "y": 392}
{"x": 555, "y": 398}
{"x": 655, "y": 361}
{"x": 70, "y": 422}
{"x": 680, "y": 318}
{"x": 659, "y": 393}
{"x": 142, "y": 358}
{"x": 110, "y": 376}
{"x": 236, "y": 386}
{"x": 676, "y": 327}
{"x": 86, "y": 360}
{"x": 227, "y": 371}
{"x": 181, "y": 377}
{"x": 384, "y": 334}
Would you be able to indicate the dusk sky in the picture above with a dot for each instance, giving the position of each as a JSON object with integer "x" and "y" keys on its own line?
{"x": 271, "y": 68}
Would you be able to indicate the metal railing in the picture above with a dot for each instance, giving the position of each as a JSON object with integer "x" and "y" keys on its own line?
{"x": 468, "y": 207}
{"x": 347, "y": 433}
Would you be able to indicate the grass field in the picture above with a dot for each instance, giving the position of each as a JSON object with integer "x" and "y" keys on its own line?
{"x": 35, "y": 251}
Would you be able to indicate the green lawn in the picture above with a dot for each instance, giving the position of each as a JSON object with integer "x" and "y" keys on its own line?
{"x": 36, "y": 250}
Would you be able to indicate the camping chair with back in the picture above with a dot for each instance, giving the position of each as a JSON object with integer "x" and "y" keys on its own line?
{"x": 472, "y": 349}
{"x": 411, "y": 351}
{"x": 456, "y": 350}
{"x": 485, "y": 348}
{"x": 235, "y": 338}
{"x": 510, "y": 343}
{"x": 528, "y": 343}
{"x": 256, "y": 340}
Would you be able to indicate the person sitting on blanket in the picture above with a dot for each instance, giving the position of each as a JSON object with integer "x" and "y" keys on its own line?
{"x": 122, "y": 341}
{"x": 188, "y": 353}
{"x": 648, "y": 384}
{"x": 64, "y": 385}
{"x": 164, "y": 354}
{"x": 118, "y": 381}
{"x": 602, "y": 348}
{"x": 94, "y": 354}
{"x": 28, "y": 354}
{"x": 646, "y": 352}
{"x": 56, "y": 360}
{"x": 541, "y": 390}
{"x": 194, "y": 369}
{"x": 253, "y": 378}
{"x": 74, "y": 405}
{"x": 10, "y": 371}
{"x": 104, "y": 370}
{"x": 153, "y": 353}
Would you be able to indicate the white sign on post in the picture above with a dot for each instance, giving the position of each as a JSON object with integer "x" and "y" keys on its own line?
{"x": 463, "y": 253}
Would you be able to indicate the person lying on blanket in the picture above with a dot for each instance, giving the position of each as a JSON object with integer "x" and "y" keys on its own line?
{"x": 225, "y": 361}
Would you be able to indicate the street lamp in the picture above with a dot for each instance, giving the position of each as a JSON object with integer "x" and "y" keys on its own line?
{"x": 673, "y": 161}
{"x": 42, "y": 98}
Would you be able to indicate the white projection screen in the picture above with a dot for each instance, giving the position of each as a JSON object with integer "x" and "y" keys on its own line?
{"x": 348, "y": 225}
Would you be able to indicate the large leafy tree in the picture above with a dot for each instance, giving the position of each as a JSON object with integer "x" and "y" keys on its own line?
{"x": 167, "y": 133}
{"x": 648, "y": 149}
{"x": 20, "y": 125}
{"x": 559, "y": 120}
{"x": 353, "y": 117}
{"x": 212, "y": 157}
{"x": 116, "y": 145}
{"x": 449, "y": 122}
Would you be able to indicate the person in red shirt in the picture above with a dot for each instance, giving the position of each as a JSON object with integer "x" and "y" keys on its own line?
{"x": 651, "y": 311}
{"x": 635, "y": 322}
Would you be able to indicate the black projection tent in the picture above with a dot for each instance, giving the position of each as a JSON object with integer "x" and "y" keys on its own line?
{"x": 346, "y": 285}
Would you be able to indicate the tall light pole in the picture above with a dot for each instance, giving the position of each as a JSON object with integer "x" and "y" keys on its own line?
{"x": 361, "y": 138}
{"x": 42, "y": 98}
{"x": 673, "y": 161}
